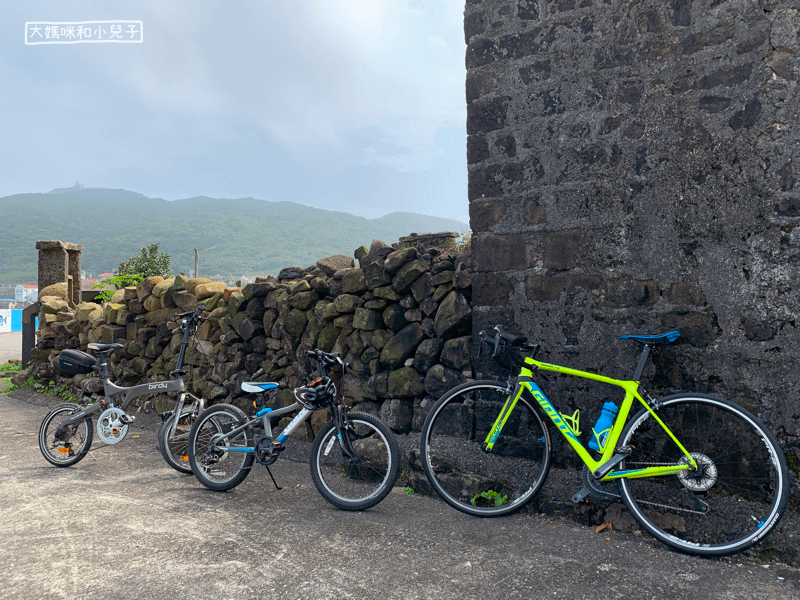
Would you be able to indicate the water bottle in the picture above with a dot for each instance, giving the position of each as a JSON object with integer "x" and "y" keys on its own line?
{"x": 603, "y": 426}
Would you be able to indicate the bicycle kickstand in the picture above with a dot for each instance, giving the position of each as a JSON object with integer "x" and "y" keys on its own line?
{"x": 273, "y": 480}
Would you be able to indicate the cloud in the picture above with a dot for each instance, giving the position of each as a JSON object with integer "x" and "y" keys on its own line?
{"x": 326, "y": 85}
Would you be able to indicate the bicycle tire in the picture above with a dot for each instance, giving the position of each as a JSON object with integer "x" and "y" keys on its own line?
{"x": 61, "y": 452}
{"x": 220, "y": 466}
{"x": 742, "y": 476}
{"x": 367, "y": 478}
{"x": 176, "y": 451}
{"x": 479, "y": 483}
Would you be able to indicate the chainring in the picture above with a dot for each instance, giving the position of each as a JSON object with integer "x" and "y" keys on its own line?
{"x": 264, "y": 451}
{"x": 601, "y": 491}
{"x": 110, "y": 428}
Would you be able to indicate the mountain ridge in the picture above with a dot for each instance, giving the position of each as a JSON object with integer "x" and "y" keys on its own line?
{"x": 236, "y": 237}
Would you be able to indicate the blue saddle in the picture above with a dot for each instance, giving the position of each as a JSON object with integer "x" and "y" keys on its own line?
{"x": 661, "y": 338}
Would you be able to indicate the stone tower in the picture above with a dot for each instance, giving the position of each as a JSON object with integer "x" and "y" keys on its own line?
{"x": 632, "y": 169}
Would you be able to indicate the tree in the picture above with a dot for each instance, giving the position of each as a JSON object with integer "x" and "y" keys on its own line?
{"x": 147, "y": 263}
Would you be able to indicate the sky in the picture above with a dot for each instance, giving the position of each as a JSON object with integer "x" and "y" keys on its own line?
{"x": 351, "y": 105}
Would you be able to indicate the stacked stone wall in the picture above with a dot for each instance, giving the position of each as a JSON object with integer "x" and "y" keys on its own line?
{"x": 402, "y": 319}
{"x": 632, "y": 169}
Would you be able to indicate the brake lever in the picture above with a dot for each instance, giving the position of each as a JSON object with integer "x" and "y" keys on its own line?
{"x": 497, "y": 340}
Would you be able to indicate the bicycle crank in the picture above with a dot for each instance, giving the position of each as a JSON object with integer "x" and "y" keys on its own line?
{"x": 111, "y": 425}
{"x": 267, "y": 450}
{"x": 592, "y": 487}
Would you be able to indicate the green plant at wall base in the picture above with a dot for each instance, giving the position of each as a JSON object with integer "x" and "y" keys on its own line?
{"x": 408, "y": 490}
{"x": 491, "y": 496}
{"x": 61, "y": 390}
{"x": 120, "y": 281}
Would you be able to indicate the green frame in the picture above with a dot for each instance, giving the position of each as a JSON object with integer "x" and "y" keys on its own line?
{"x": 525, "y": 384}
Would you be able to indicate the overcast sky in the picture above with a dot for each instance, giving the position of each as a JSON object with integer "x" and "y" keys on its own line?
{"x": 353, "y": 105}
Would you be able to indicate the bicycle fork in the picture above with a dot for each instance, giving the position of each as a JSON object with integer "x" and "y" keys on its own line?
{"x": 500, "y": 422}
{"x": 340, "y": 421}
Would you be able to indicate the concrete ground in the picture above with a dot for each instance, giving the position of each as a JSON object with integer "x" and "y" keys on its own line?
{"x": 10, "y": 346}
{"x": 122, "y": 524}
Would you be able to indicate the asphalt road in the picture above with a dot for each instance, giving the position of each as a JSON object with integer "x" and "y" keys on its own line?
{"x": 122, "y": 524}
{"x": 10, "y": 346}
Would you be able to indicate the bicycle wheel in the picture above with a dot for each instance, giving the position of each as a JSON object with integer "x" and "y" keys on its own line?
{"x": 175, "y": 447}
{"x": 484, "y": 484}
{"x": 220, "y": 463}
{"x": 363, "y": 474}
{"x": 71, "y": 444}
{"x": 736, "y": 496}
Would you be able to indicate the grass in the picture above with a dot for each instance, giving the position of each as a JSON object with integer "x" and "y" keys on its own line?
{"x": 61, "y": 390}
{"x": 6, "y": 371}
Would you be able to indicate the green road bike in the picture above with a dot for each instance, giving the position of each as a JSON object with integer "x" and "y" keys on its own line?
{"x": 697, "y": 472}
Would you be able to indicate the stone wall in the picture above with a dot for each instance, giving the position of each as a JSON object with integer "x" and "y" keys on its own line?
{"x": 632, "y": 169}
{"x": 401, "y": 318}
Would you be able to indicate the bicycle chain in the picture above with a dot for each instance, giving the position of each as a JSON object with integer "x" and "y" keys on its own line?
{"x": 658, "y": 504}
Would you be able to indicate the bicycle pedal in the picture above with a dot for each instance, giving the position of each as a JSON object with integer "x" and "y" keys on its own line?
{"x": 127, "y": 419}
{"x": 580, "y": 496}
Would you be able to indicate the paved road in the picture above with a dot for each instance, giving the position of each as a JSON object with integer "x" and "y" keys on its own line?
{"x": 10, "y": 346}
{"x": 121, "y": 524}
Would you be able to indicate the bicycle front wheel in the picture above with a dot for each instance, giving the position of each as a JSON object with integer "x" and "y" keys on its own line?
{"x": 480, "y": 483}
{"x": 173, "y": 440}
{"x": 732, "y": 500}
{"x": 72, "y": 442}
{"x": 359, "y": 469}
{"x": 220, "y": 461}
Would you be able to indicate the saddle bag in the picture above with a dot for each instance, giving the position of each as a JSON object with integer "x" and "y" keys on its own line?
{"x": 76, "y": 362}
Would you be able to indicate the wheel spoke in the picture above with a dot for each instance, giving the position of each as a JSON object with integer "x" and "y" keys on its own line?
{"x": 364, "y": 474}
{"x": 739, "y": 488}
{"x": 467, "y": 477}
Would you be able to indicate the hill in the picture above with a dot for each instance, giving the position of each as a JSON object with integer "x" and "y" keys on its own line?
{"x": 248, "y": 236}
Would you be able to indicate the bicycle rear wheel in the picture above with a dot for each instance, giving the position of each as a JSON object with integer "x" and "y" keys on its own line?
{"x": 364, "y": 474}
{"x": 220, "y": 463}
{"x": 484, "y": 484}
{"x": 173, "y": 440}
{"x": 735, "y": 497}
{"x": 72, "y": 443}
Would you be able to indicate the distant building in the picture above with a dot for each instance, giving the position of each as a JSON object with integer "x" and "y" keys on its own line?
{"x": 89, "y": 292}
{"x": 26, "y": 294}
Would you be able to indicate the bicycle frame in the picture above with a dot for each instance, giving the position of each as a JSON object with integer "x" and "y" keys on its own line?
{"x": 266, "y": 414}
{"x": 110, "y": 389}
{"x": 604, "y": 468}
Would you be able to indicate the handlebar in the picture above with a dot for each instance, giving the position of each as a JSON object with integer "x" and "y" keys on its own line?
{"x": 192, "y": 317}
{"x": 503, "y": 337}
{"x": 326, "y": 359}
{"x": 192, "y": 313}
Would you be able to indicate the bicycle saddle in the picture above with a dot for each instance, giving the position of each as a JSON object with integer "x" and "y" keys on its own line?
{"x": 103, "y": 347}
{"x": 661, "y": 338}
{"x": 256, "y": 387}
